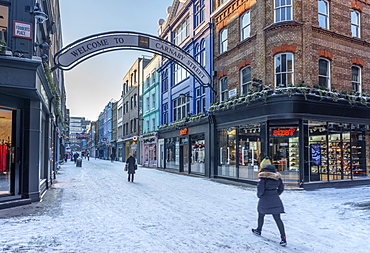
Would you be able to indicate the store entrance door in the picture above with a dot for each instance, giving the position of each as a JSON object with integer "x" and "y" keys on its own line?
{"x": 7, "y": 153}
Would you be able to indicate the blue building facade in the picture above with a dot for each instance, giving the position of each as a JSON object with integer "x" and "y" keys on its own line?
{"x": 105, "y": 131}
{"x": 183, "y": 98}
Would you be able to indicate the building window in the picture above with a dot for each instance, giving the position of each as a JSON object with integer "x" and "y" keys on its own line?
{"x": 153, "y": 78}
{"x": 245, "y": 25}
{"x": 324, "y": 73}
{"x": 180, "y": 73}
{"x": 284, "y": 66}
{"x": 147, "y": 126}
{"x": 147, "y": 82}
{"x": 135, "y": 100}
{"x": 197, "y": 52}
{"x": 153, "y": 124}
{"x": 245, "y": 79}
{"x": 165, "y": 113}
{"x": 203, "y": 53}
{"x": 198, "y": 13}
{"x": 200, "y": 53}
{"x": 4, "y": 19}
{"x": 323, "y": 10}
{"x": 355, "y": 24}
{"x": 165, "y": 81}
{"x": 356, "y": 79}
{"x": 283, "y": 10}
{"x": 223, "y": 40}
{"x": 181, "y": 107}
{"x": 182, "y": 32}
{"x": 147, "y": 104}
{"x": 224, "y": 89}
{"x": 199, "y": 100}
{"x": 153, "y": 100}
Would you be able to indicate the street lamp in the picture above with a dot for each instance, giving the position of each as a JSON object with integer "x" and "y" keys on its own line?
{"x": 39, "y": 15}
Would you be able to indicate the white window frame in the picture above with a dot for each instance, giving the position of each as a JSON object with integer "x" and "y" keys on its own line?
{"x": 327, "y": 74}
{"x": 180, "y": 73}
{"x": 280, "y": 8}
{"x": 322, "y": 14}
{"x": 223, "y": 40}
{"x": 181, "y": 107}
{"x": 224, "y": 91}
{"x": 147, "y": 103}
{"x": 199, "y": 13}
{"x": 357, "y": 82}
{"x": 286, "y": 72}
{"x": 247, "y": 83}
{"x": 182, "y": 31}
{"x": 153, "y": 124}
{"x": 147, "y": 126}
{"x": 153, "y": 101}
{"x": 245, "y": 25}
{"x": 203, "y": 53}
{"x": 354, "y": 25}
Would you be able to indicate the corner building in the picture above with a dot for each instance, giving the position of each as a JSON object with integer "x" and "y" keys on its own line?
{"x": 292, "y": 79}
{"x": 32, "y": 100}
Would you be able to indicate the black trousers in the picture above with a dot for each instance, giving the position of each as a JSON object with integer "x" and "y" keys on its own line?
{"x": 279, "y": 223}
{"x": 131, "y": 176}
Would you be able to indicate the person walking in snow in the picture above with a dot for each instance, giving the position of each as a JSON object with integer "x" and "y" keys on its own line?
{"x": 269, "y": 188}
{"x": 131, "y": 167}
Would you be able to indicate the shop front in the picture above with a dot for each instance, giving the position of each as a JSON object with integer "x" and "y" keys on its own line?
{"x": 28, "y": 139}
{"x": 310, "y": 144}
{"x": 185, "y": 148}
{"x": 149, "y": 150}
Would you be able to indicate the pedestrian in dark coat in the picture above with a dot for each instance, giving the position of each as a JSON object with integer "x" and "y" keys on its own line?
{"x": 130, "y": 163}
{"x": 75, "y": 156}
{"x": 269, "y": 187}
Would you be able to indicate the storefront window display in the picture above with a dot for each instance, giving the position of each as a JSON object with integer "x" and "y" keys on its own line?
{"x": 6, "y": 151}
{"x": 284, "y": 152}
{"x": 240, "y": 151}
{"x": 227, "y": 152}
{"x": 172, "y": 153}
{"x": 198, "y": 154}
{"x": 249, "y": 151}
{"x": 338, "y": 151}
{"x": 150, "y": 155}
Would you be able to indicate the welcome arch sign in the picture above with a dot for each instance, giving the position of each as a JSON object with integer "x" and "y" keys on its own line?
{"x": 85, "y": 48}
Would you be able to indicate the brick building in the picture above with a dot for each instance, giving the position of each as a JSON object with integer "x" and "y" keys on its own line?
{"x": 293, "y": 83}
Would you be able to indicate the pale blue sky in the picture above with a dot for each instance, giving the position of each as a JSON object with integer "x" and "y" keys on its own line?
{"x": 93, "y": 83}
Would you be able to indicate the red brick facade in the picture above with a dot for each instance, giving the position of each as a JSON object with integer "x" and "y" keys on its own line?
{"x": 301, "y": 36}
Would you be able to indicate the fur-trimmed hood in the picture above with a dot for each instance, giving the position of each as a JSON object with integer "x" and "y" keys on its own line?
{"x": 271, "y": 175}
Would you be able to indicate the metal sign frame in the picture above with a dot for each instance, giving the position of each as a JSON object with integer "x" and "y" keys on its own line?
{"x": 90, "y": 46}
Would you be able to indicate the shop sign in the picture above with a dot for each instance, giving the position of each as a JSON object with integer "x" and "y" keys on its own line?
{"x": 284, "y": 132}
{"x": 22, "y": 30}
{"x": 184, "y": 131}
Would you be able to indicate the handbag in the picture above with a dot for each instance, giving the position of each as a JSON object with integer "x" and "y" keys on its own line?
{"x": 125, "y": 169}
{"x": 135, "y": 166}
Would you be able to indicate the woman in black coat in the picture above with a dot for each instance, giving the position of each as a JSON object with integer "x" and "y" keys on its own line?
{"x": 130, "y": 163}
{"x": 269, "y": 187}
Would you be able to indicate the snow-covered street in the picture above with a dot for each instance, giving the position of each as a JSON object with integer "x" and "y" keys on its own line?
{"x": 94, "y": 209}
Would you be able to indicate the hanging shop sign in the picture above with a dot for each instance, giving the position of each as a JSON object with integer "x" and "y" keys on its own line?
{"x": 284, "y": 132}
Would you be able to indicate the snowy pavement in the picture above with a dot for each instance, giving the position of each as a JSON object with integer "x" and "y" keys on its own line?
{"x": 94, "y": 209}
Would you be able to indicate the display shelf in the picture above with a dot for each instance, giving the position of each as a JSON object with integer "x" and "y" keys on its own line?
{"x": 293, "y": 155}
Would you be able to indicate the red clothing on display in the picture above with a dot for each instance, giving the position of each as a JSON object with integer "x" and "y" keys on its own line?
{"x": 3, "y": 153}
